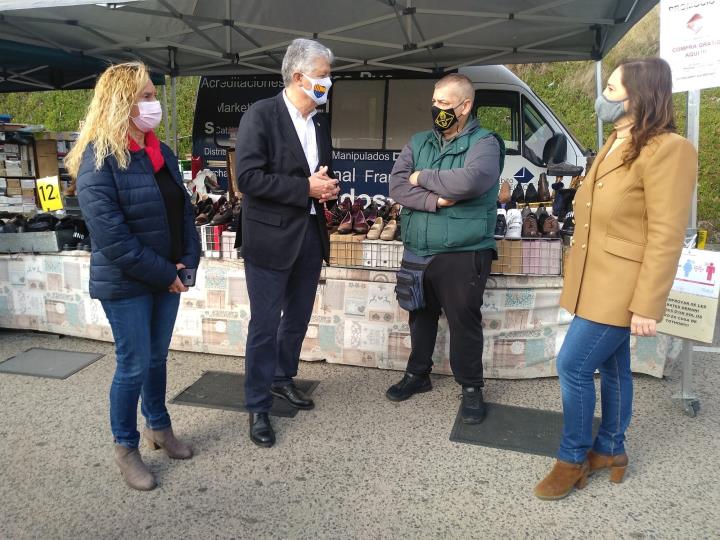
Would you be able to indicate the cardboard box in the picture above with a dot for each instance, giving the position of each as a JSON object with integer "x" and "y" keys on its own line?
{"x": 46, "y": 158}
{"x": 510, "y": 257}
{"x": 346, "y": 249}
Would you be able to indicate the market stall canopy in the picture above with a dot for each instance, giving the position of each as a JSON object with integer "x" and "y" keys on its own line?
{"x": 187, "y": 37}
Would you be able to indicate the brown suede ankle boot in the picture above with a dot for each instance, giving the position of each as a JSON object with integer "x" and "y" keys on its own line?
{"x": 166, "y": 440}
{"x": 561, "y": 480}
{"x": 133, "y": 469}
{"x": 617, "y": 465}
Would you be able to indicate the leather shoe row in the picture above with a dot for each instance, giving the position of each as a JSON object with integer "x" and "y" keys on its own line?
{"x": 530, "y": 194}
{"x": 515, "y": 224}
{"x": 377, "y": 222}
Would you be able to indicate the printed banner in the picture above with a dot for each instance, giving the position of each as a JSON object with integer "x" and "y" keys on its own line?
{"x": 693, "y": 301}
{"x": 690, "y": 42}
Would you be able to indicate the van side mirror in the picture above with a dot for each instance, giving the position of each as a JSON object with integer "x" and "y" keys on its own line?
{"x": 555, "y": 150}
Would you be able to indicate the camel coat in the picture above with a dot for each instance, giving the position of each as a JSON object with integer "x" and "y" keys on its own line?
{"x": 629, "y": 229}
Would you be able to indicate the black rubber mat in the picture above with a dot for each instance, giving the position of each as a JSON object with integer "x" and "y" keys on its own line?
{"x": 48, "y": 363}
{"x": 530, "y": 431}
{"x": 223, "y": 390}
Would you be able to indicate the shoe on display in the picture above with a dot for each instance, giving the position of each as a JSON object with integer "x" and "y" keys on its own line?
{"x": 568, "y": 228}
{"x": 500, "y": 226}
{"x": 530, "y": 227}
{"x": 224, "y": 215}
{"x": 526, "y": 211}
{"x": 541, "y": 213}
{"x": 346, "y": 225}
{"x": 388, "y": 232}
{"x": 531, "y": 194}
{"x": 557, "y": 199}
{"x": 371, "y": 214}
{"x": 376, "y": 229}
{"x": 543, "y": 190}
{"x": 514, "y": 224}
{"x": 505, "y": 194}
{"x": 518, "y": 195}
{"x": 564, "y": 205}
{"x": 360, "y": 225}
{"x": 550, "y": 227}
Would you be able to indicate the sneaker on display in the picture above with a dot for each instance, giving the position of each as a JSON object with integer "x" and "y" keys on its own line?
{"x": 514, "y": 224}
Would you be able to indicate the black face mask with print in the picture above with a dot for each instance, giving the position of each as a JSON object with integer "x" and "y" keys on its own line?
{"x": 443, "y": 119}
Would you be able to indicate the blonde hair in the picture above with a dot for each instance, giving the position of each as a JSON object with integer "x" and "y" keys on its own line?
{"x": 106, "y": 123}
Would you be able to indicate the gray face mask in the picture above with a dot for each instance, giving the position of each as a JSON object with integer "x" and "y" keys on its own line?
{"x": 609, "y": 111}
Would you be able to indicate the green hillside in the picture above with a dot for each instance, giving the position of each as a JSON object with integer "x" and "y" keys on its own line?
{"x": 567, "y": 87}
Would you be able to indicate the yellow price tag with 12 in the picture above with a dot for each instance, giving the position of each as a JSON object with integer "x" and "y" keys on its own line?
{"x": 48, "y": 190}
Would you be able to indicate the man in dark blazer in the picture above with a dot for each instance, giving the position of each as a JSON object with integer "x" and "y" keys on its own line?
{"x": 283, "y": 155}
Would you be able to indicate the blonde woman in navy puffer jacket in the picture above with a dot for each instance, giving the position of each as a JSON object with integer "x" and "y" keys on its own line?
{"x": 142, "y": 229}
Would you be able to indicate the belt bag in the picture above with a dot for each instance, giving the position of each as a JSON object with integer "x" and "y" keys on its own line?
{"x": 409, "y": 287}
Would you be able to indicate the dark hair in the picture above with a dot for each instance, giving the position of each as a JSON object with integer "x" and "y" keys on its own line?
{"x": 649, "y": 87}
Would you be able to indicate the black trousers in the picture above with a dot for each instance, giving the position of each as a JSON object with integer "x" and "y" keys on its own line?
{"x": 453, "y": 283}
{"x": 281, "y": 304}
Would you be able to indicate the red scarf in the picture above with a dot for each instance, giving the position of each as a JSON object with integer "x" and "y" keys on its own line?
{"x": 152, "y": 147}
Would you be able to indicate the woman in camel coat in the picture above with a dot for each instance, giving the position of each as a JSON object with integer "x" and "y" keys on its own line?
{"x": 630, "y": 212}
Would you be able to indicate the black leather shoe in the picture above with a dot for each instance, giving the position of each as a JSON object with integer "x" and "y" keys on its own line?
{"x": 408, "y": 386}
{"x": 291, "y": 394}
{"x": 261, "y": 431}
{"x": 473, "y": 407}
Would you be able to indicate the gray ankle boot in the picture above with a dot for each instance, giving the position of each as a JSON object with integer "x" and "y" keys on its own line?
{"x": 165, "y": 439}
{"x": 133, "y": 469}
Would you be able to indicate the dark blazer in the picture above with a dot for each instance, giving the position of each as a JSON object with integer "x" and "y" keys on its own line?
{"x": 130, "y": 237}
{"x": 272, "y": 174}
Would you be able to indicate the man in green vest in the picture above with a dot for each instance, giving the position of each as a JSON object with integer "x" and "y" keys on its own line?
{"x": 447, "y": 180}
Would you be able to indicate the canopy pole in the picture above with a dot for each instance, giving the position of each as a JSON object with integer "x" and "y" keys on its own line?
{"x": 687, "y": 393}
{"x": 598, "y": 92}
{"x": 173, "y": 96}
{"x": 693, "y": 135}
{"x": 166, "y": 116}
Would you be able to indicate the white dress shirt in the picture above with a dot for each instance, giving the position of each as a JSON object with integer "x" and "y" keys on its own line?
{"x": 305, "y": 128}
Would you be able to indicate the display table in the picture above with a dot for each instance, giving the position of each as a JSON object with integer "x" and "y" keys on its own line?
{"x": 356, "y": 319}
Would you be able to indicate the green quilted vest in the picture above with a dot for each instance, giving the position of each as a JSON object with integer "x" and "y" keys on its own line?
{"x": 469, "y": 225}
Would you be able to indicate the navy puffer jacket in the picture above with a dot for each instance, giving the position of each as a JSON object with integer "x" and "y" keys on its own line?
{"x": 125, "y": 214}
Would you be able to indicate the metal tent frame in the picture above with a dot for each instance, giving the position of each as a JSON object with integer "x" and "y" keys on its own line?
{"x": 234, "y": 37}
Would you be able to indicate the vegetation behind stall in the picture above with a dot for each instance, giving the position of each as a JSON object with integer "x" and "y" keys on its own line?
{"x": 568, "y": 88}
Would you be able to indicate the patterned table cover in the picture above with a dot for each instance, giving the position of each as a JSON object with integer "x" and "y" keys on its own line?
{"x": 355, "y": 320}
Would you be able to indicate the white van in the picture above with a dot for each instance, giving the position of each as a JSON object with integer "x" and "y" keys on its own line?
{"x": 373, "y": 114}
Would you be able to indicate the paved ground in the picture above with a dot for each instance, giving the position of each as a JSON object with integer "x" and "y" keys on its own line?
{"x": 357, "y": 466}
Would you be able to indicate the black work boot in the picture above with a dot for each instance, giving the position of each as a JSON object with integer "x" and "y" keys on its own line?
{"x": 473, "y": 406}
{"x": 409, "y": 385}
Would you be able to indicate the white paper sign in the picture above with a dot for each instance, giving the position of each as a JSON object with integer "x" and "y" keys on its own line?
{"x": 698, "y": 272}
{"x": 690, "y": 42}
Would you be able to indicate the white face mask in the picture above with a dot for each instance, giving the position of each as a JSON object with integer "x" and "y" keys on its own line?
{"x": 319, "y": 89}
{"x": 149, "y": 115}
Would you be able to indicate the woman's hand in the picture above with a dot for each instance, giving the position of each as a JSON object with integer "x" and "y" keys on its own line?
{"x": 640, "y": 326}
{"x": 177, "y": 287}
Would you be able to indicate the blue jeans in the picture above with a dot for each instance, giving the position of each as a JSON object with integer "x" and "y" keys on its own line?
{"x": 589, "y": 346}
{"x": 142, "y": 327}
